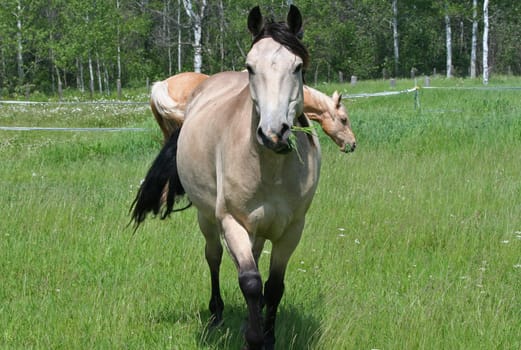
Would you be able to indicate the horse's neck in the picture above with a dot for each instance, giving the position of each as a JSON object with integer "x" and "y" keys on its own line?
{"x": 315, "y": 103}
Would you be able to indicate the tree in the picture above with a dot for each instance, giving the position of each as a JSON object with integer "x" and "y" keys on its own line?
{"x": 196, "y": 19}
{"x": 395, "y": 37}
{"x": 485, "y": 42}
{"x": 448, "y": 40}
{"x": 474, "y": 43}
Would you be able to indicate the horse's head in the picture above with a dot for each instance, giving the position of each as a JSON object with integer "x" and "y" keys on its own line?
{"x": 338, "y": 126}
{"x": 275, "y": 64}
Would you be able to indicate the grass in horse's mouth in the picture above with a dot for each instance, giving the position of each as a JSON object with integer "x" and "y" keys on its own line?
{"x": 293, "y": 139}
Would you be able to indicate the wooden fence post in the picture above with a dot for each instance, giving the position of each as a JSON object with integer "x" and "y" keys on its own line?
{"x": 118, "y": 87}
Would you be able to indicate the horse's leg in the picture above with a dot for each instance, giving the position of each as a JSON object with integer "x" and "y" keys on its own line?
{"x": 213, "y": 253}
{"x": 274, "y": 287}
{"x": 258, "y": 246}
{"x": 240, "y": 248}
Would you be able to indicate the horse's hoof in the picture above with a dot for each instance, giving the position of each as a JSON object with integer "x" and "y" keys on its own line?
{"x": 215, "y": 322}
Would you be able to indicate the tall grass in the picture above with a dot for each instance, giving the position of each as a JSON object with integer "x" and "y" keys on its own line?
{"x": 413, "y": 241}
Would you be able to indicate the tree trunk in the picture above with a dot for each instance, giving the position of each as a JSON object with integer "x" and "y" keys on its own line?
{"x": 19, "y": 46}
{"x": 79, "y": 76}
{"x": 91, "y": 80}
{"x": 395, "y": 37}
{"x": 179, "y": 49}
{"x": 448, "y": 41}
{"x": 98, "y": 71}
{"x": 474, "y": 38}
{"x": 106, "y": 79}
{"x": 60, "y": 87}
{"x": 119, "y": 44}
{"x": 196, "y": 20}
{"x": 485, "y": 42}
{"x": 221, "y": 29}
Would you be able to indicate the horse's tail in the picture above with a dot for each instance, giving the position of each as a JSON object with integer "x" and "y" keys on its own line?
{"x": 163, "y": 173}
{"x": 168, "y": 112}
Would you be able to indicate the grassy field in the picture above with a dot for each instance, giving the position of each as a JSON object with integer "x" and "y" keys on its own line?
{"x": 412, "y": 242}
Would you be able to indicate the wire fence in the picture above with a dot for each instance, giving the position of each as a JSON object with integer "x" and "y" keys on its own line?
{"x": 414, "y": 90}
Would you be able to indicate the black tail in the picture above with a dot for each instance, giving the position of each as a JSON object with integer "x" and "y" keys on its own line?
{"x": 163, "y": 172}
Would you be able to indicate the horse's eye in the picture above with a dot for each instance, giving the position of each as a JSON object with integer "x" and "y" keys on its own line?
{"x": 298, "y": 69}
{"x": 250, "y": 69}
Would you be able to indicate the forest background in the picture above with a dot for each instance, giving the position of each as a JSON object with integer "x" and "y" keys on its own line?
{"x": 101, "y": 45}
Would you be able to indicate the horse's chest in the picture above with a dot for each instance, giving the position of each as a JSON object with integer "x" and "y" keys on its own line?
{"x": 265, "y": 209}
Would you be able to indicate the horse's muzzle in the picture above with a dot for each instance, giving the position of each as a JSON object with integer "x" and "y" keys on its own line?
{"x": 278, "y": 142}
{"x": 349, "y": 147}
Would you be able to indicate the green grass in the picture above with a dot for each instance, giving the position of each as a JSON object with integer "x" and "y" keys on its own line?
{"x": 412, "y": 242}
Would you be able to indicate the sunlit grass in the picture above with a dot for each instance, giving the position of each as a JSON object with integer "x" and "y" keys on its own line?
{"x": 412, "y": 241}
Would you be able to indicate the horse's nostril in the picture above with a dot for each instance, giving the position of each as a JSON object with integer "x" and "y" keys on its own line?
{"x": 284, "y": 129}
{"x": 350, "y": 148}
{"x": 260, "y": 133}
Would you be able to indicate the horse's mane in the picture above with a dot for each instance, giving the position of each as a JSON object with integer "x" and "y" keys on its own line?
{"x": 280, "y": 32}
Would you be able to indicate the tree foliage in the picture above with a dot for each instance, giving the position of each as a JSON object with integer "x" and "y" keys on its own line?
{"x": 43, "y": 42}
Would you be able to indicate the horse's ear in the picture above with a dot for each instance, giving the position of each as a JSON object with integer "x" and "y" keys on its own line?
{"x": 337, "y": 99}
{"x": 294, "y": 21}
{"x": 255, "y": 21}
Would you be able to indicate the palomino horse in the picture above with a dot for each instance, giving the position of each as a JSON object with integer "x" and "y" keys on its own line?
{"x": 168, "y": 102}
{"x": 235, "y": 160}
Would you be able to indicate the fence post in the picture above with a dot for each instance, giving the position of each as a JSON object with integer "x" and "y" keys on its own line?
{"x": 427, "y": 81}
{"x": 393, "y": 82}
{"x": 353, "y": 80}
{"x": 413, "y": 72}
{"x": 118, "y": 87}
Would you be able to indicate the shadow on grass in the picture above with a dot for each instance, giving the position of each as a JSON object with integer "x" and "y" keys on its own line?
{"x": 294, "y": 329}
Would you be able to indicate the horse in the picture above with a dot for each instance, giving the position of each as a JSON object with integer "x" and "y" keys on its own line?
{"x": 168, "y": 100}
{"x": 249, "y": 176}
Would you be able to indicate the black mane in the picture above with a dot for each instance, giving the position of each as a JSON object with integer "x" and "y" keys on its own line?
{"x": 280, "y": 32}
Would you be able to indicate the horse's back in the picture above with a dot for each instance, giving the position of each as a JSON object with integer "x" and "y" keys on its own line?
{"x": 217, "y": 89}
{"x": 181, "y": 85}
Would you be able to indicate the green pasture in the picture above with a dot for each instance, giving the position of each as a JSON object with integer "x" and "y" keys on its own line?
{"x": 412, "y": 242}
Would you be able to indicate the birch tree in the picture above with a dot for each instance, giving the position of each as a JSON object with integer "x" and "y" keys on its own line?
{"x": 118, "y": 38}
{"x": 395, "y": 37}
{"x": 196, "y": 20}
{"x": 485, "y": 42}
{"x": 19, "y": 46}
{"x": 179, "y": 37}
{"x": 448, "y": 41}
{"x": 474, "y": 43}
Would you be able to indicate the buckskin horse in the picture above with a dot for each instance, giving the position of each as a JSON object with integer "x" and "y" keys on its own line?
{"x": 250, "y": 177}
